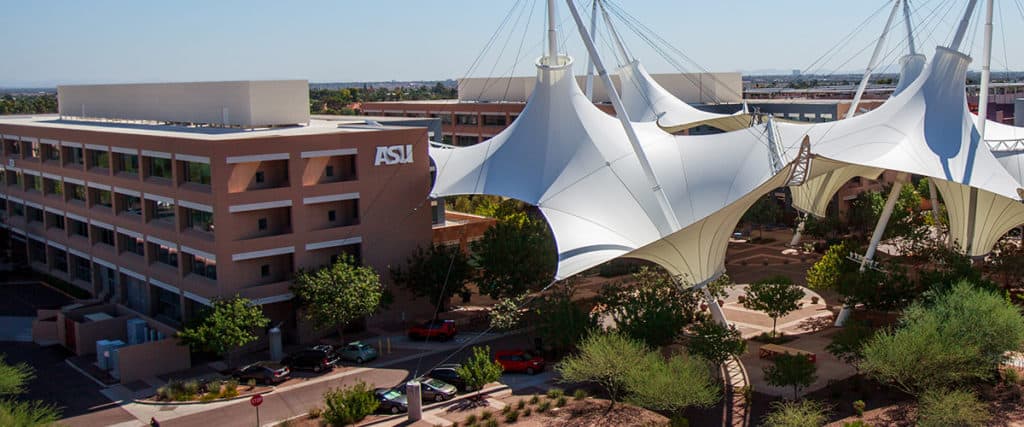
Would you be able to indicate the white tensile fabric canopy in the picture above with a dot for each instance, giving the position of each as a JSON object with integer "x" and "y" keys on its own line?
{"x": 646, "y": 101}
{"x": 927, "y": 130}
{"x": 575, "y": 163}
{"x": 815, "y": 195}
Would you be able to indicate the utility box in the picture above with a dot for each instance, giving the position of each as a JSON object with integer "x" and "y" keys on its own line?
{"x": 137, "y": 331}
{"x": 105, "y": 353}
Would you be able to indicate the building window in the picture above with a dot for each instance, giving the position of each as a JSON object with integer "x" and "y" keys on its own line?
{"x": 53, "y": 186}
{"x": 102, "y": 198}
{"x": 197, "y": 173}
{"x": 52, "y": 153}
{"x": 329, "y": 171}
{"x": 262, "y": 224}
{"x": 165, "y": 255}
{"x": 60, "y": 260}
{"x": 130, "y": 205}
{"x": 127, "y": 163}
{"x": 493, "y": 120}
{"x": 17, "y": 209}
{"x": 18, "y": 179}
{"x": 199, "y": 220}
{"x": 54, "y": 220}
{"x": 265, "y": 270}
{"x": 158, "y": 167}
{"x": 77, "y": 192}
{"x": 82, "y": 269}
{"x": 35, "y": 215}
{"x": 35, "y": 150}
{"x": 204, "y": 267}
{"x": 35, "y": 183}
{"x": 98, "y": 159}
{"x": 79, "y": 228}
{"x": 131, "y": 244}
{"x": 73, "y": 156}
{"x": 13, "y": 147}
{"x": 466, "y": 119}
{"x": 466, "y": 140}
{"x": 260, "y": 177}
{"x": 104, "y": 236}
{"x": 332, "y": 216}
{"x": 161, "y": 211}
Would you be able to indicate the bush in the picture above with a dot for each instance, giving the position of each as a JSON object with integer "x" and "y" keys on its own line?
{"x": 950, "y": 408}
{"x": 555, "y": 393}
{"x": 858, "y": 423}
{"x": 679, "y": 421}
{"x": 315, "y": 412}
{"x": 672, "y": 385}
{"x": 208, "y": 397}
{"x": 512, "y": 416}
{"x": 534, "y": 399}
{"x": 858, "y": 407}
{"x": 471, "y": 419}
{"x": 521, "y": 404}
{"x": 791, "y": 371}
{"x": 349, "y": 405}
{"x": 1011, "y": 376}
{"x": 20, "y": 413}
{"x": 230, "y": 389}
{"x": 506, "y": 409}
{"x": 491, "y": 423}
{"x": 796, "y": 414}
{"x": 527, "y": 412}
{"x": 486, "y": 415}
{"x": 544, "y": 406}
{"x": 580, "y": 394}
{"x": 560, "y": 402}
{"x": 251, "y": 383}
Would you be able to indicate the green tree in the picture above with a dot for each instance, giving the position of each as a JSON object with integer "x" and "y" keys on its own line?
{"x": 885, "y": 288}
{"x": 507, "y": 313}
{"x": 941, "y": 408}
{"x": 348, "y": 405}
{"x": 561, "y": 323}
{"x": 606, "y": 360}
{"x": 1008, "y": 263}
{"x": 13, "y": 380}
{"x": 827, "y": 228}
{"x": 436, "y": 273}
{"x": 764, "y": 211}
{"x": 775, "y": 296}
{"x": 480, "y": 369}
{"x": 654, "y": 311}
{"x": 957, "y": 338}
{"x": 791, "y": 370}
{"x": 228, "y": 325}
{"x": 825, "y": 273}
{"x": 338, "y": 294}
{"x": 672, "y": 385}
{"x": 848, "y": 343}
{"x": 716, "y": 342}
{"x": 804, "y": 413}
{"x": 516, "y": 257}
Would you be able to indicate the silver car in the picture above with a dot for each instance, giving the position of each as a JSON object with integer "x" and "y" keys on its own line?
{"x": 357, "y": 352}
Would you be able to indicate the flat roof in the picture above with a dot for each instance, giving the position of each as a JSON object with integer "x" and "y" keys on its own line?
{"x": 205, "y": 133}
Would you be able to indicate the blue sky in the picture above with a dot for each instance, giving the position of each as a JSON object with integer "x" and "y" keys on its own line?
{"x": 51, "y": 42}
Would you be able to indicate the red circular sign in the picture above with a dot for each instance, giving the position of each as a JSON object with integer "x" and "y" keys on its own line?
{"x": 256, "y": 400}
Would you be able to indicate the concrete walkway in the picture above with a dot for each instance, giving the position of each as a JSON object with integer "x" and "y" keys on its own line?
{"x": 736, "y": 409}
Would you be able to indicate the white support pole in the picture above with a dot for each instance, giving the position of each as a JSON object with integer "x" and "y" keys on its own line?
{"x": 883, "y": 221}
{"x": 799, "y": 231}
{"x": 910, "y": 28}
{"x": 615, "y": 35}
{"x": 590, "y": 60}
{"x": 964, "y": 23}
{"x": 933, "y": 196}
{"x": 552, "y": 36}
{"x": 876, "y": 237}
{"x": 873, "y": 62}
{"x": 986, "y": 71}
{"x": 716, "y": 310}
{"x": 620, "y": 113}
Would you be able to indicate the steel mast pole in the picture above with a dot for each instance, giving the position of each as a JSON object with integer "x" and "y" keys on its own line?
{"x": 964, "y": 23}
{"x": 590, "y": 59}
{"x": 615, "y": 35}
{"x": 910, "y": 28}
{"x": 620, "y": 112}
{"x": 873, "y": 62}
{"x": 552, "y": 37}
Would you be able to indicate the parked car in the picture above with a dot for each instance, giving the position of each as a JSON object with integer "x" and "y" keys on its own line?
{"x": 391, "y": 400}
{"x": 265, "y": 372}
{"x": 519, "y": 361}
{"x": 317, "y": 358}
{"x": 357, "y": 352}
{"x": 449, "y": 373}
{"x": 435, "y": 389}
{"x": 439, "y": 329}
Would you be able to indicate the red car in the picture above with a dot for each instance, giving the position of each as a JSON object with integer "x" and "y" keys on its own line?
{"x": 519, "y": 361}
{"x": 435, "y": 329}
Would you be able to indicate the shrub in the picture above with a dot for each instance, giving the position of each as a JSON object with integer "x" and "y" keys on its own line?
{"x": 560, "y": 402}
{"x": 527, "y": 412}
{"x": 471, "y": 419}
{"x": 791, "y": 371}
{"x": 672, "y": 385}
{"x": 858, "y": 407}
{"x": 544, "y": 406}
{"x": 480, "y": 369}
{"x": 230, "y": 389}
{"x": 506, "y": 409}
{"x": 679, "y": 421}
{"x": 208, "y": 397}
{"x": 1011, "y": 376}
{"x": 251, "y": 383}
{"x": 512, "y": 416}
{"x": 857, "y": 423}
{"x": 796, "y": 414}
{"x": 315, "y": 412}
{"x": 349, "y": 404}
{"x": 951, "y": 408}
{"x": 555, "y": 393}
{"x": 486, "y": 415}
{"x": 534, "y": 399}
{"x": 605, "y": 360}
{"x": 521, "y": 404}
{"x": 163, "y": 393}
{"x": 491, "y": 423}
{"x": 580, "y": 394}
{"x": 33, "y": 413}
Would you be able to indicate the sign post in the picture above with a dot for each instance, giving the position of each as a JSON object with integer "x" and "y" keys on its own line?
{"x": 256, "y": 401}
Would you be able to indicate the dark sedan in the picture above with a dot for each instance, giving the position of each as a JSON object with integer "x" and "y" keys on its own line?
{"x": 391, "y": 400}
{"x": 264, "y": 372}
{"x": 449, "y": 373}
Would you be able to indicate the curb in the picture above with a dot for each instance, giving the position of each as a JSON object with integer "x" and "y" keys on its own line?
{"x": 199, "y": 402}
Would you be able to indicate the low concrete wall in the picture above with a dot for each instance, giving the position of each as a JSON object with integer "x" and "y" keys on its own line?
{"x": 44, "y": 327}
{"x": 86, "y": 334}
{"x": 152, "y": 358}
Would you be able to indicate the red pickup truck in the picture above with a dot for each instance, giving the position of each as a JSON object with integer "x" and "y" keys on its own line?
{"x": 435, "y": 329}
